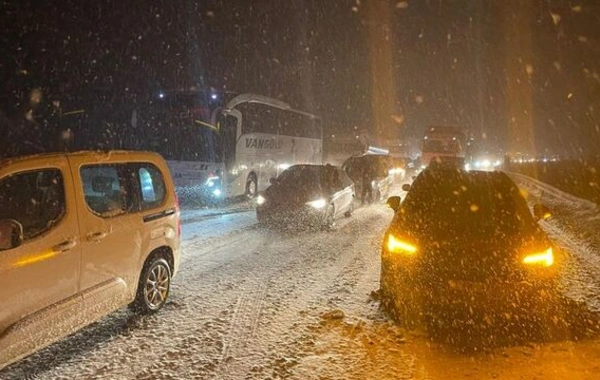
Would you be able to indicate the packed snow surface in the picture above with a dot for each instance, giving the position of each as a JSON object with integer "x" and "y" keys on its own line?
{"x": 257, "y": 303}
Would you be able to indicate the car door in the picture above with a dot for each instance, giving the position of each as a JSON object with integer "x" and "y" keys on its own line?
{"x": 44, "y": 270}
{"x": 111, "y": 226}
{"x": 347, "y": 192}
{"x": 340, "y": 193}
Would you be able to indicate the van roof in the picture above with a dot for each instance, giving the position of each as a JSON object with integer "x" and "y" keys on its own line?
{"x": 97, "y": 153}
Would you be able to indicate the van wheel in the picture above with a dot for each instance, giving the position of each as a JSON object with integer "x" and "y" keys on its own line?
{"x": 153, "y": 288}
{"x": 251, "y": 186}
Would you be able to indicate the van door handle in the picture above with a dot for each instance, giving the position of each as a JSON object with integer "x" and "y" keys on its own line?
{"x": 96, "y": 236}
{"x": 65, "y": 246}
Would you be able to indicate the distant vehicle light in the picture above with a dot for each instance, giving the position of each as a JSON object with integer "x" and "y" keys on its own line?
{"x": 545, "y": 258}
{"x": 396, "y": 245}
{"x": 214, "y": 96}
{"x": 161, "y": 95}
{"x": 318, "y": 204}
{"x": 260, "y": 200}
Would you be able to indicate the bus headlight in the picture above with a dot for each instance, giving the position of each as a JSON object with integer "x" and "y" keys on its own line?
{"x": 210, "y": 181}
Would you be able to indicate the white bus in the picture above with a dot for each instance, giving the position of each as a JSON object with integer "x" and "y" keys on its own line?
{"x": 222, "y": 145}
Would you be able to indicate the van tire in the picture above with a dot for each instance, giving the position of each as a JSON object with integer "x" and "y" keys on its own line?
{"x": 153, "y": 287}
{"x": 251, "y": 186}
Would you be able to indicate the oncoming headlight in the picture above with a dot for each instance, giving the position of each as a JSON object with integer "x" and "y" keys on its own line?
{"x": 318, "y": 204}
{"x": 395, "y": 245}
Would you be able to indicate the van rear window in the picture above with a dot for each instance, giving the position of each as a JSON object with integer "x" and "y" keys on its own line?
{"x": 116, "y": 189}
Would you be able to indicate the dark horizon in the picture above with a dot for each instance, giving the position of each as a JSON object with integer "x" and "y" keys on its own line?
{"x": 523, "y": 77}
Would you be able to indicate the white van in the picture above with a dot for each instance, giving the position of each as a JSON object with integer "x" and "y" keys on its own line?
{"x": 81, "y": 235}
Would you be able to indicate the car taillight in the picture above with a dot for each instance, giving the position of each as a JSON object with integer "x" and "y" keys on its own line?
{"x": 544, "y": 258}
{"x": 397, "y": 245}
{"x": 177, "y": 210}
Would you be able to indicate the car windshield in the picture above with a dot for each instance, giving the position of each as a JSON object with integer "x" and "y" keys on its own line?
{"x": 343, "y": 189}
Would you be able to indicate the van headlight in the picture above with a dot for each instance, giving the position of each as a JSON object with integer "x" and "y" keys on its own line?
{"x": 318, "y": 204}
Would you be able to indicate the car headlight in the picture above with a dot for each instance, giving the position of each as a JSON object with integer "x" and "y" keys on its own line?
{"x": 260, "y": 200}
{"x": 318, "y": 204}
{"x": 396, "y": 245}
{"x": 545, "y": 258}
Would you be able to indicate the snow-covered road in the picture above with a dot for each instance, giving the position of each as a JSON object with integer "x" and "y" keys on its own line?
{"x": 252, "y": 303}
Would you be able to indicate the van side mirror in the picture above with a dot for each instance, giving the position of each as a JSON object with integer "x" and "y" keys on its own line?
{"x": 541, "y": 212}
{"x": 406, "y": 187}
{"x": 11, "y": 234}
{"x": 394, "y": 202}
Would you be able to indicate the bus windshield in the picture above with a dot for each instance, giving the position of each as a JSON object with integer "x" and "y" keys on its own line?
{"x": 182, "y": 126}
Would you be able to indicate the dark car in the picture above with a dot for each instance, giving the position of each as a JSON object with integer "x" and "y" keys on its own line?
{"x": 373, "y": 176}
{"x": 464, "y": 246}
{"x": 313, "y": 195}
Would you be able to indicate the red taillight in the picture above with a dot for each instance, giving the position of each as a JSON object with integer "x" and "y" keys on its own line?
{"x": 177, "y": 215}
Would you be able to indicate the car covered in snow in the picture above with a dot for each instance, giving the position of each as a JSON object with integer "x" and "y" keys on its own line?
{"x": 81, "y": 235}
{"x": 307, "y": 195}
{"x": 464, "y": 246}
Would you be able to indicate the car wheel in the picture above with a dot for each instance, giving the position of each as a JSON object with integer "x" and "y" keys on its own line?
{"x": 348, "y": 213}
{"x": 329, "y": 221}
{"x": 397, "y": 301}
{"x": 153, "y": 288}
{"x": 251, "y": 186}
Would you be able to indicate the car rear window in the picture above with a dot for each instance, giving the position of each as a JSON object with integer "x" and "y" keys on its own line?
{"x": 456, "y": 201}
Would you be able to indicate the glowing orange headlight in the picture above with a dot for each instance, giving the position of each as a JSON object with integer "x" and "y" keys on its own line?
{"x": 545, "y": 258}
{"x": 396, "y": 245}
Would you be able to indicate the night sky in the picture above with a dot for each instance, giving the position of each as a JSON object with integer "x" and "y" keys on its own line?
{"x": 522, "y": 76}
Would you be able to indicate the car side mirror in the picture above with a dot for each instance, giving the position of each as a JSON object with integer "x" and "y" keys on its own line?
{"x": 541, "y": 212}
{"x": 11, "y": 234}
{"x": 272, "y": 180}
{"x": 394, "y": 202}
{"x": 406, "y": 187}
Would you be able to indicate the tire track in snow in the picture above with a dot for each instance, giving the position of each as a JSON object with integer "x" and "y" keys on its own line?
{"x": 242, "y": 327}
